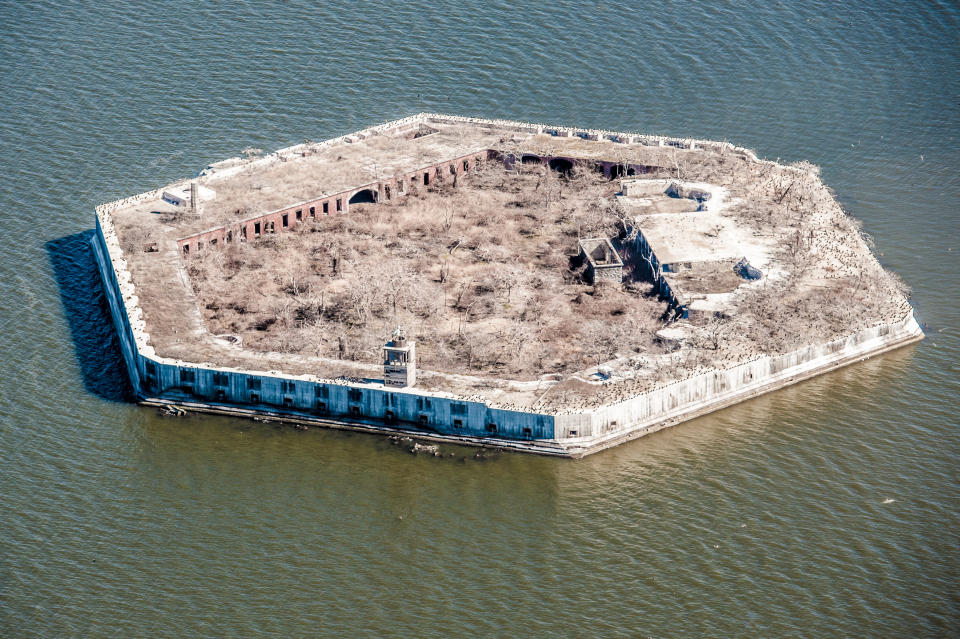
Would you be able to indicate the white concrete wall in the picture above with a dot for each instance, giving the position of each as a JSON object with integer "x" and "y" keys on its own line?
{"x": 725, "y": 386}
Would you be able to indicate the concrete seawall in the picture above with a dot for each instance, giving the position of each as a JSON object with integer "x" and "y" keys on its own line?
{"x": 207, "y": 387}
{"x": 657, "y": 409}
{"x": 369, "y": 407}
{"x": 366, "y": 405}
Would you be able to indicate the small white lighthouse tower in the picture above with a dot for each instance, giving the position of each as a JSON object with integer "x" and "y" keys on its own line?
{"x": 399, "y": 361}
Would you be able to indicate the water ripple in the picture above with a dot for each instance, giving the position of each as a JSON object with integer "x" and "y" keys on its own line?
{"x": 827, "y": 509}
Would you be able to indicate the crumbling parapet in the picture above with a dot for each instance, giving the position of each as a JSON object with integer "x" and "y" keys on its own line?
{"x": 603, "y": 261}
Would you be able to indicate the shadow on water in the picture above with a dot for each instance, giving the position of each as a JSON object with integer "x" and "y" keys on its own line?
{"x": 95, "y": 342}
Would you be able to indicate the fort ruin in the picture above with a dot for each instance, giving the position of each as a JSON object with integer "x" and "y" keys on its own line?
{"x": 557, "y": 290}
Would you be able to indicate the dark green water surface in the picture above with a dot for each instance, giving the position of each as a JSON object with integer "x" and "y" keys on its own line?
{"x": 825, "y": 510}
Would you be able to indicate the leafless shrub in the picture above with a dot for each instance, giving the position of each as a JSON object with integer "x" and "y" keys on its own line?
{"x": 479, "y": 273}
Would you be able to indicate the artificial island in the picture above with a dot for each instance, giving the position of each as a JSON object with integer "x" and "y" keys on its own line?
{"x": 529, "y": 287}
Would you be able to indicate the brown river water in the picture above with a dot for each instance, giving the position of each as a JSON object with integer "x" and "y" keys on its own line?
{"x": 828, "y": 509}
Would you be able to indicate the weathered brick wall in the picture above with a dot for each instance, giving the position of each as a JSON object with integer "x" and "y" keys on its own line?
{"x": 337, "y": 203}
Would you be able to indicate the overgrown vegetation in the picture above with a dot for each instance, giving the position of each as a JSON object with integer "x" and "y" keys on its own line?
{"x": 481, "y": 274}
